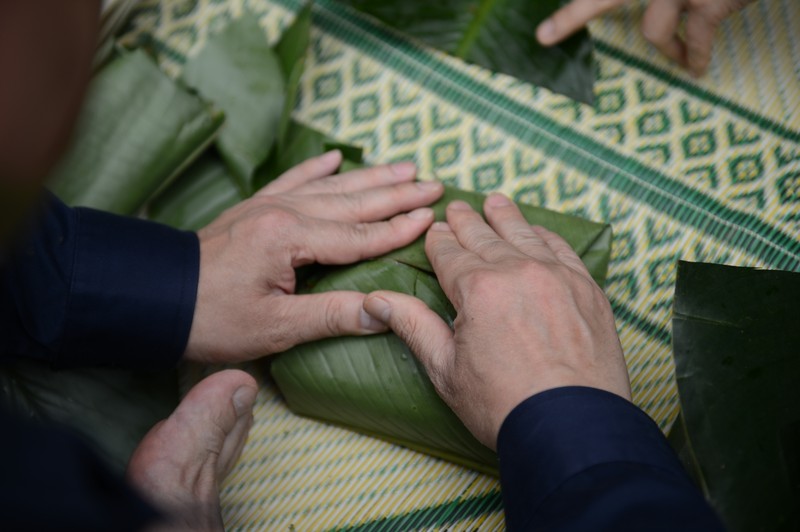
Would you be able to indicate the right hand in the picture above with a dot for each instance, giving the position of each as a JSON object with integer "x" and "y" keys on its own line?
{"x": 529, "y": 317}
{"x": 660, "y": 26}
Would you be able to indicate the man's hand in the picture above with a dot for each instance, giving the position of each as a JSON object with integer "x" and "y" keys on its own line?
{"x": 660, "y": 26}
{"x": 246, "y": 306}
{"x": 529, "y": 317}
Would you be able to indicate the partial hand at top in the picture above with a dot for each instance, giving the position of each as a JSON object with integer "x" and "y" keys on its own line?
{"x": 660, "y": 25}
{"x": 246, "y": 306}
{"x": 529, "y": 317}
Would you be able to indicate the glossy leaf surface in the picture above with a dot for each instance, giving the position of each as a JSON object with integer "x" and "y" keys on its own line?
{"x": 496, "y": 34}
{"x": 242, "y": 75}
{"x": 138, "y": 129}
{"x": 737, "y": 355}
{"x": 590, "y": 240}
{"x": 198, "y": 196}
{"x": 374, "y": 384}
{"x": 292, "y": 50}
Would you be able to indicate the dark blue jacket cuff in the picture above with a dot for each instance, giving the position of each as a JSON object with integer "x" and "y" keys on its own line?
{"x": 88, "y": 288}
{"x": 134, "y": 288}
{"x": 560, "y": 434}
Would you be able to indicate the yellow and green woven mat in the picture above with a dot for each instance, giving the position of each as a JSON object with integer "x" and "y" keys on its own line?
{"x": 705, "y": 170}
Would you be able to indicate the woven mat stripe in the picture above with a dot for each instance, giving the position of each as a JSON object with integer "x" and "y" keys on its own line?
{"x": 739, "y": 230}
{"x": 440, "y": 515}
{"x": 698, "y": 92}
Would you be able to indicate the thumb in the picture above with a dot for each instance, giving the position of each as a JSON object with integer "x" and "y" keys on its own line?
{"x": 308, "y": 317}
{"x": 418, "y": 326}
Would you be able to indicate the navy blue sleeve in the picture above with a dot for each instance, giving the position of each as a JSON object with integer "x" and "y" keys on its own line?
{"x": 579, "y": 458}
{"x": 88, "y": 288}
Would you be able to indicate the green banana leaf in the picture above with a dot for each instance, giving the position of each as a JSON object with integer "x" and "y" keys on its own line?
{"x": 112, "y": 409}
{"x": 239, "y": 72}
{"x": 292, "y": 50}
{"x": 201, "y": 194}
{"x": 590, "y": 240}
{"x": 736, "y": 342}
{"x": 373, "y": 384}
{"x": 137, "y": 131}
{"x": 496, "y": 34}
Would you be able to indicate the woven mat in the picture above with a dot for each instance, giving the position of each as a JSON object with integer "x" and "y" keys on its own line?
{"x": 704, "y": 170}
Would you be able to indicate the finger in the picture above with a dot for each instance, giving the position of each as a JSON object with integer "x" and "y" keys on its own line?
{"x": 562, "y": 251}
{"x": 506, "y": 218}
{"x": 425, "y": 333}
{"x": 449, "y": 258}
{"x": 305, "y": 172}
{"x": 308, "y": 317}
{"x": 571, "y": 18}
{"x": 329, "y": 242}
{"x": 475, "y": 235}
{"x": 660, "y": 27}
{"x": 372, "y": 204}
{"x": 700, "y": 32}
{"x": 361, "y": 179}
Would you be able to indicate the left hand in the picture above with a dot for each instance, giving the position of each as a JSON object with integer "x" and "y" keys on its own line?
{"x": 246, "y": 306}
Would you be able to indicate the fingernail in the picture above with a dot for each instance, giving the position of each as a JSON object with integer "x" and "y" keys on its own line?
{"x": 423, "y": 213}
{"x": 459, "y": 205}
{"x": 546, "y": 32}
{"x": 378, "y": 307}
{"x": 405, "y": 169}
{"x": 330, "y": 157}
{"x": 440, "y": 226}
{"x": 243, "y": 400}
{"x": 427, "y": 186}
{"x": 498, "y": 200}
{"x": 370, "y": 324}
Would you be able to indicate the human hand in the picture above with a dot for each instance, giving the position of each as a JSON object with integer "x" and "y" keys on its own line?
{"x": 660, "y": 25}
{"x": 246, "y": 307}
{"x": 529, "y": 317}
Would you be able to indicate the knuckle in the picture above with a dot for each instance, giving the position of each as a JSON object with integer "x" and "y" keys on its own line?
{"x": 277, "y": 219}
{"x": 331, "y": 317}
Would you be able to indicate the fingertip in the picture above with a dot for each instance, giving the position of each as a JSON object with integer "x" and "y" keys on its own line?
{"x": 440, "y": 227}
{"x": 369, "y": 323}
{"x": 422, "y": 214}
{"x": 331, "y": 158}
{"x": 458, "y": 205}
{"x": 546, "y": 33}
{"x": 378, "y": 308}
{"x": 497, "y": 200}
{"x": 404, "y": 170}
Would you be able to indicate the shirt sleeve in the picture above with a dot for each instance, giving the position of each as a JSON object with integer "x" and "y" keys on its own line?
{"x": 578, "y": 458}
{"x": 88, "y": 288}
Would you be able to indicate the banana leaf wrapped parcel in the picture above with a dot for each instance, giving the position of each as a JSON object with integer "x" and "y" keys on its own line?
{"x": 374, "y": 384}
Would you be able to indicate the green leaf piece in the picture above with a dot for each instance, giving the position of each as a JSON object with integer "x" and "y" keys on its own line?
{"x": 300, "y": 144}
{"x": 496, "y": 34}
{"x": 735, "y": 339}
{"x": 137, "y": 131}
{"x": 112, "y": 409}
{"x": 240, "y": 73}
{"x": 201, "y": 194}
{"x": 373, "y": 384}
{"x": 292, "y": 50}
{"x": 590, "y": 240}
